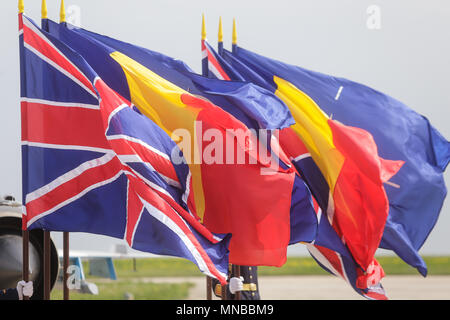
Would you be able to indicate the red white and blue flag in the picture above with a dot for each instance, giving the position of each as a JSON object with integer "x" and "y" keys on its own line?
{"x": 214, "y": 66}
{"x": 91, "y": 163}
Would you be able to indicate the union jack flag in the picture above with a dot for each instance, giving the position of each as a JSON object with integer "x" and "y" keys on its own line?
{"x": 216, "y": 66}
{"x": 91, "y": 163}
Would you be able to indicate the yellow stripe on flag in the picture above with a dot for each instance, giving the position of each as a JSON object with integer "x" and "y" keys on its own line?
{"x": 160, "y": 100}
{"x": 313, "y": 129}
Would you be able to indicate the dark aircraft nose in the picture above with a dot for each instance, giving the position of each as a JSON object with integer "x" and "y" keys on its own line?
{"x": 11, "y": 260}
{"x": 11, "y": 250}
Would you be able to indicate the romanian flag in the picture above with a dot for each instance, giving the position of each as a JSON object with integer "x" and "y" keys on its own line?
{"x": 328, "y": 249}
{"x": 357, "y": 206}
{"x": 417, "y": 192}
{"x": 226, "y": 195}
{"x": 270, "y": 115}
{"x": 261, "y": 111}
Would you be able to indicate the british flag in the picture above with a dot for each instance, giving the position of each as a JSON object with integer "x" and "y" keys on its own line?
{"x": 215, "y": 66}
{"x": 91, "y": 163}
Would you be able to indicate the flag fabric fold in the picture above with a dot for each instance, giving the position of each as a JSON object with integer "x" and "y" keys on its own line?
{"x": 259, "y": 112}
{"x": 216, "y": 66}
{"x": 229, "y": 196}
{"x": 300, "y": 156}
{"x": 359, "y": 211}
{"x": 333, "y": 255}
{"x": 92, "y": 164}
{"x": 416, "y": 193}
{"x": 267, "y": 117}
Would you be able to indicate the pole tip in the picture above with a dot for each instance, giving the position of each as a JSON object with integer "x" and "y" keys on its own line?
{"x": 220, "y": 35}
{"x": 234, "y": 32}
{"x": 21, "y": 6}
{"x": 62, "y": 12}
{"x": 203, "y": 27}
{"x": 44, "y": 10}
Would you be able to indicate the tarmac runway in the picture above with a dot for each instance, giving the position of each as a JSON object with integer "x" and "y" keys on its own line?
{"x": 331, "y": 288}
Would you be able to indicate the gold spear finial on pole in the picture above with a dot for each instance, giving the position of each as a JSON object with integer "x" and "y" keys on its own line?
{"x": 44, "y": 10}
{"x": 220, "y": 34}
{"x": 203, "y": 27}
{"x": 21, "y": 6}
{"x": 234, "y": 39}
{"x": 62, "y": 13}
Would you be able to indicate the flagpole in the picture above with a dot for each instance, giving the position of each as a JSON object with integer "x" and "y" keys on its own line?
{"x": 47, "y": 253}
{"x": 25, "y": 233}
{"x": 66, "y": 246}
{"x": 234, "y": 37}
{"x": 224, "y": 292}
{"x": 208, "y": 288}
{"x": 236, "y": 268}
{"x": 44, "y": 16}
{"x": 220, "y": 38}
{"x": 25, "y": 259}
{"x": 205, "y": 74}
{"x": 237, "y": 274}
{"x": 65, "y": 265}
{"x": 204, "y": 56}
{"x": 47, "y": 271}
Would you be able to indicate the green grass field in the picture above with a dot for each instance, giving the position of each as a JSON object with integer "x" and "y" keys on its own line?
{"x": 172, "y": 267}
{"x": 129, "y": 272}
{"x": 117, "y": 290}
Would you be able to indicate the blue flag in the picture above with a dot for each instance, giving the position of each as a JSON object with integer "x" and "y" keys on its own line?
{"x": 416, "y": 193}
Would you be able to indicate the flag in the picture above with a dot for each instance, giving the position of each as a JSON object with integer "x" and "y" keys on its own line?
{"x": 328, "y": 248}
{"x": 216, "y": 66}
{"x": 90, "y": 163}
{"x": 418, "y": 190}
{"x": 265, "y": 116}
{"x": 333, "y": 256}
{"x": 229, "y": 195}
{"x": 259, "y": 109}
{"x": 348, "y": 159}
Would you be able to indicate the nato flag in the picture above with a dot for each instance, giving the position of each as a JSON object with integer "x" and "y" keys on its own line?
{"x": 417, "y": 191}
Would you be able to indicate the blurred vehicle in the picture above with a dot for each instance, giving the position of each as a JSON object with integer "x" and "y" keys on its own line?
{"x": 11, "y": 250}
